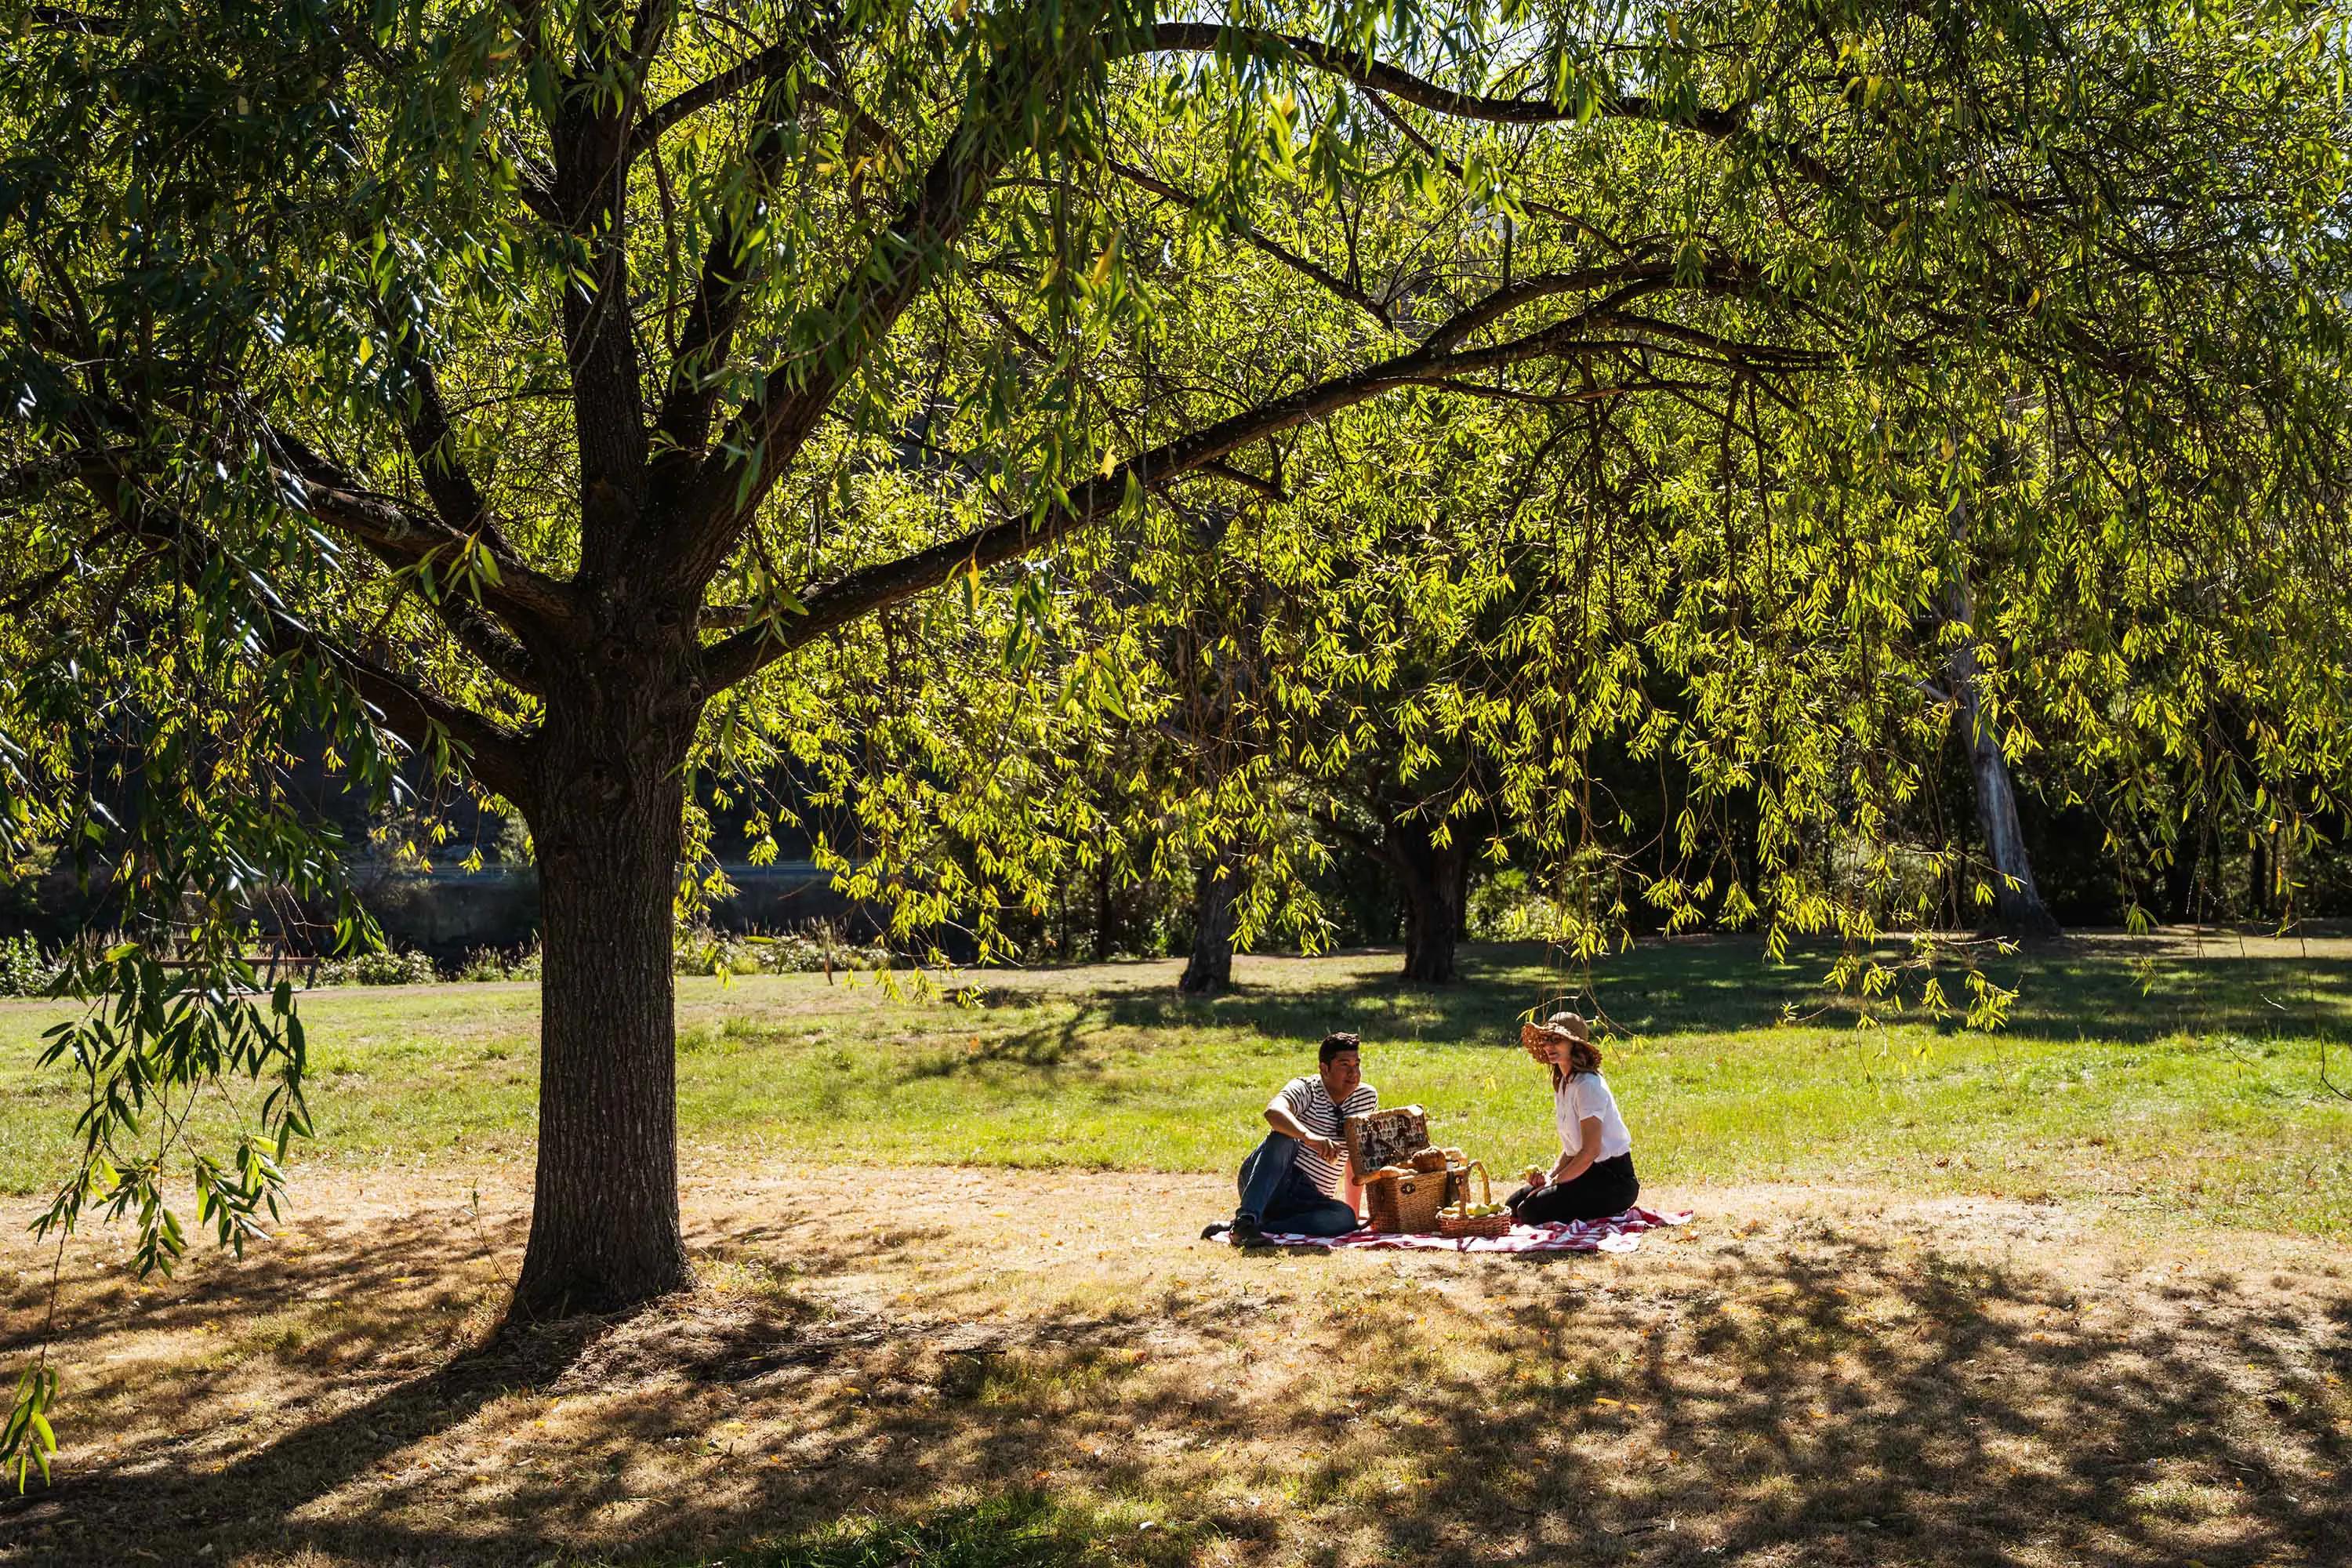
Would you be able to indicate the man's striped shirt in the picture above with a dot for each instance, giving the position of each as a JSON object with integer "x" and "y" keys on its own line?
{"x": 1306, "y": 1100}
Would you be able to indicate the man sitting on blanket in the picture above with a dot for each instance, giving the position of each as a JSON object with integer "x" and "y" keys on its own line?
{"x": 1298, "y": 1183}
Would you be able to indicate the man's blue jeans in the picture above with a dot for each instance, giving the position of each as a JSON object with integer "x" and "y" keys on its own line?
{"x": 1283, "y": 1199}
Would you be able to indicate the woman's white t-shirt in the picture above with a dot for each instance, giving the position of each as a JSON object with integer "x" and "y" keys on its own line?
{"x": 1586, "y": 1094}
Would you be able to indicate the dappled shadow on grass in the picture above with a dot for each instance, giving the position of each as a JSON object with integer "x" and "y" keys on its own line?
{"x": 337, "y": 1295}
{"x": 1817, "y": 1395}
{"x": 1729, "y": 984}
{"x": 1043, "y": 1048}
{"x": 1874, "y": 1402}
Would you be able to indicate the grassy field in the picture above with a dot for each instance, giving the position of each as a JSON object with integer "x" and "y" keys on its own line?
{"x": 2170, "y": 1078}
{"x": 2073, "y": 1295}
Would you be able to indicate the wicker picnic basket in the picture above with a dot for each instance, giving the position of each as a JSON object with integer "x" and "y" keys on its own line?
{"x": 1483, "y": 1225}
{"x": 1404, "y": 1202}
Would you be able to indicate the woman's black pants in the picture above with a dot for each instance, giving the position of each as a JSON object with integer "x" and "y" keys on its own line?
{"x": 1606, "y": 1190}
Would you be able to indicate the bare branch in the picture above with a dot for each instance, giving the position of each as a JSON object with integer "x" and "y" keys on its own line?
{"x": 775, "y": 60}
{"x": 1244, "y": 477}
{"x": 1250, "y": 236}
{"x": 1630, "y": 279}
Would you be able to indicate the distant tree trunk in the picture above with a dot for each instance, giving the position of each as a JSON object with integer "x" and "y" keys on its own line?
{"x": 2259, "y": 877}
{"x": 1216, "y": 895}
{"x": 1105, "y": 915}
{"x": 1461, "y": 898}
{"x": 1432, "y": 877}
{"x": 2017, "y": 902}
{"x": 2188, "y": 848}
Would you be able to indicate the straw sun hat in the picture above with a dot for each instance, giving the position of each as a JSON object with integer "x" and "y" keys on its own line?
{"x": 1537, "y": 1038}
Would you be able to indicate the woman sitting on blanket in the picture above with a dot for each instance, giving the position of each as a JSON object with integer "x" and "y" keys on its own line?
{"x": 1593, "y": 1177}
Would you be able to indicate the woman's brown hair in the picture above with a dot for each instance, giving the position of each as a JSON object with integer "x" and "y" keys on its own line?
{"x": 1584, "y": 1056}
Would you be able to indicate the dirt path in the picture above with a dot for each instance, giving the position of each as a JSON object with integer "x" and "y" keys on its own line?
{"x": 1801, "y": 1375}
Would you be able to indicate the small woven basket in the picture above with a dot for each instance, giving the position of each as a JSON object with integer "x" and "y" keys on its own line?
{"x": 1483, "y": 1225}
{"x": 1406, "y": 1204}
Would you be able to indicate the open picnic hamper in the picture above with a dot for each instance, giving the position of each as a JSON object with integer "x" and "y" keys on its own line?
{"x": 1408, "y": 1180}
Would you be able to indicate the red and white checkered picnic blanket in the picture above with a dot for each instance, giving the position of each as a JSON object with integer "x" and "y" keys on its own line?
{"x": 1622, "y": 1234}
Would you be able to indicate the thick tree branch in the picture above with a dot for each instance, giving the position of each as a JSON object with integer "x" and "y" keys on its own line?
{"x": 396, "y": 535}
{"x": 73, "y": 21}
{"x": 589, "y": 140}
{"x": 1630, "y": 280}
{"x": 768, "y": 433}
{"x": 494, "y": 755}
{"x": 337, "y": 497}
{"x": 37, "y": 476}
{"x": 1545, "y": 399}
{"x": 433, "y": 446}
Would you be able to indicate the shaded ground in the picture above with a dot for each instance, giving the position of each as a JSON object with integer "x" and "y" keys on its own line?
{"x": 1803, "y": 1375}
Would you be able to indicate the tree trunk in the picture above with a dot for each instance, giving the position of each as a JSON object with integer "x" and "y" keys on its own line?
{"x": 2017, "y": 902}
{"x": 1216, "y": 892}
{"x": 2188, "y": 849}
{"x": 2262, "y": 878}
{"x": 1462, "y": 897}
{"x": 1431, "y": 877}
{"x": 1105, "y": 915}
{"x": 605, "y": 1228}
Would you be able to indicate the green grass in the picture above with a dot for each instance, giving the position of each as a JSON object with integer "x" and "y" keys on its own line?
{"x": 2169, "y": 1083}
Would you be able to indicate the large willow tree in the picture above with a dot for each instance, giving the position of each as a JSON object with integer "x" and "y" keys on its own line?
{"x": 572, "y": 398}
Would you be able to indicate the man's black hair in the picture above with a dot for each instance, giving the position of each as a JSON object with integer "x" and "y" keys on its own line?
{"x": 1334, "y": 1043}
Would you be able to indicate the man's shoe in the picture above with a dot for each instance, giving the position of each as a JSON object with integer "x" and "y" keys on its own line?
{"x": 1213, "y": 1229}
{"x": 1245, "y": 1231}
